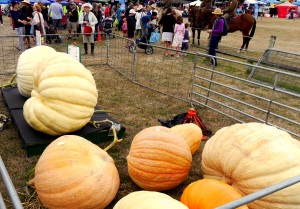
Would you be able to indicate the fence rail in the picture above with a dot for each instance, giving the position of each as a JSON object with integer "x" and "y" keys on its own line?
{"x": 225, "y": 89}
{"x": 10, "y": 188}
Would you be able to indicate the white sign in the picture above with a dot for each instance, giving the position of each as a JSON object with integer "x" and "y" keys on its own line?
{"x": 74, "y": 51}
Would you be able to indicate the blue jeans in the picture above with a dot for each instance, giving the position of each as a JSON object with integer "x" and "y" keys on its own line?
{"x": 214, "y": 40}
{"x": 20, "y": 32}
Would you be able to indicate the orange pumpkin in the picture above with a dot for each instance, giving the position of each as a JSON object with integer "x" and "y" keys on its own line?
{"x": 191, "y": 133}
{"x": 74, "y": 173}
{"x": 159, "y": 159}
{"x": 209, "y": 194}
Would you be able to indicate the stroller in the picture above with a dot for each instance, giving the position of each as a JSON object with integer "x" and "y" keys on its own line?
{"x": 52, "y": 35}
{"x": 107, "y": 28}
{"x": 143, "y": 42}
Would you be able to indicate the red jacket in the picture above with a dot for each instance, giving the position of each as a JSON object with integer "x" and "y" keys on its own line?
{"x": 107, "y": 12}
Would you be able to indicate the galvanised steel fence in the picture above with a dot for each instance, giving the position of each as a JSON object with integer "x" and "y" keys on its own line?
{"x": 229, "y": 89}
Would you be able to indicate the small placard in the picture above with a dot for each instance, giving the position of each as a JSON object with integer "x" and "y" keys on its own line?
{"x": 74, "y": 51}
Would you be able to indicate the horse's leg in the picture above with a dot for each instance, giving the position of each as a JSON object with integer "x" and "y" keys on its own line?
{"x": 193, "y": 31}
{"x": 199, "y": 32}
{"x": 245, "y": 38}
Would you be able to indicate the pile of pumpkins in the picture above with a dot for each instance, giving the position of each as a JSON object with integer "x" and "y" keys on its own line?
{"x": 74, "y": 173}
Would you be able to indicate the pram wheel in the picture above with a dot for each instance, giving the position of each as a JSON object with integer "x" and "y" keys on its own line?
{"x": 131, "y": 46}
{"x": 149, "y": 50}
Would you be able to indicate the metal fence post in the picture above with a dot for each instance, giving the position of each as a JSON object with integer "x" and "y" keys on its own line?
{"x": 133, "y": 61}
{"x": 107, "y": 49}
{"x": 193, "y": 78}
{"x": 271, "y": 46}
{"x": 272, "y": 42}
{"x": 10, "y": 187}
{"x": 272, "y": 97}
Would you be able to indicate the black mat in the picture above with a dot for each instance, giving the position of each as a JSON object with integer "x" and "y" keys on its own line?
{"x": 34, "y": 142}
{"x": 12, "y": 98}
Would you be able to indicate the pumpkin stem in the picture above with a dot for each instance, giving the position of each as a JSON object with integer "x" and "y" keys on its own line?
{"x": 11, "y": 82}
{"x": 113, "y": 127}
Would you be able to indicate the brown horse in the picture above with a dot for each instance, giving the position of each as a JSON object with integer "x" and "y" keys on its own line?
{"x": 244, "y": 23}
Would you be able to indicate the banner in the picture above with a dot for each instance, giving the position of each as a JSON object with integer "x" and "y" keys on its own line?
{"x": 122, "y": 2}
{"x": 255, "y": 11}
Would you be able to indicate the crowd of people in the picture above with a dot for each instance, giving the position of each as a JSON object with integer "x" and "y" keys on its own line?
{"x": 135, "y": 21}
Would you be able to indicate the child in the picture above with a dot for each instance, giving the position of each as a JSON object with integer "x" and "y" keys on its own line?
{"x": 186, "y": 38}
{"x": 124, "y": 27}
{"x": 179, "y": 31}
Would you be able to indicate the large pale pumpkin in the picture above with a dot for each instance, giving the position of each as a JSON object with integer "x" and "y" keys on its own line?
{"x": 191, "y": 133}
{"x": 28, "y": 62}
{"x": 159, "y": 159}
{"x": 63, "y": 98}
{"x": 149, "y": 200}
{"x": 209, "y": 194}
{"x": 74, "y": 173}
{"x": 251, "y": 157}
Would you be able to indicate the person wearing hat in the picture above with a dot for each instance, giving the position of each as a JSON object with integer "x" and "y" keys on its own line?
{"x": 215, "y": 33}
{"x": 73, "y": 21}
{"x": 130, "y": 26}
{"x": 57, "y": 14}
{"x": 18, "y": 21}
{"x": 27, "y": 10}
{"x": 130, "y": 6}
{"x": 88, "y": 19}
{"x": 138, "y": 16}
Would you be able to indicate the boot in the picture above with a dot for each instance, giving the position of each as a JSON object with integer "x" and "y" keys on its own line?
{"x": 92, "y": 48}
{"x": 85, "y": 48}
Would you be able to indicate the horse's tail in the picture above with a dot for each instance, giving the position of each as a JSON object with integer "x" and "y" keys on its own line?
{"x": 253, "y": 29}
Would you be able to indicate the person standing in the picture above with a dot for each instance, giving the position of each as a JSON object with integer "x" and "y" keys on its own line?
{"x": 18, "y": 21}
{"x": 167, "y": 21}
{"x": 138, "y": 16}
{"x": 57, "y": 14}
{"x": 28, "y": 12}
{"x": 88, "y": 19}
{"x": 130, "y": 26}
{"x": 73, "y": 21}
{"x": 107, "y": 11}
{"x": 37, "y": 21}
{"x": 186, "y": 38}
{"x": 1, "y": 19}
{"x": 119, "y": 12}
{"x": 230, "y": 10}
{"x": 215, "y": 34}
{"x": 179, "y": 30}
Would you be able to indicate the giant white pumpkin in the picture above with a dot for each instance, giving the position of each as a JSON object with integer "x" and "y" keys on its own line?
{"x": 28, "y": 62}
{"x": 63, "y": 98}
{"x": 148, "y": 200}
{"x": 74, "y": 173}
{"x": 254, "y": 156}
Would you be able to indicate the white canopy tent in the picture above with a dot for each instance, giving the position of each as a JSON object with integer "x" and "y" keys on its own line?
{"x": 196, "y": 3}
{"x": 250, "y": 2}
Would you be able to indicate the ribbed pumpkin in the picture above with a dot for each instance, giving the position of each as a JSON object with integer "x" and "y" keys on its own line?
{"x": 28, "y": 62}
{"x": 209, "y": 194}
{"x": 251, "y": 157}
{"x": 74, "y": 173}
{"x": 63, "y": 98}
{"x": 149, "y": 200}
{"x": 159, "y": 159}
{"x": 191, "y": 133}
